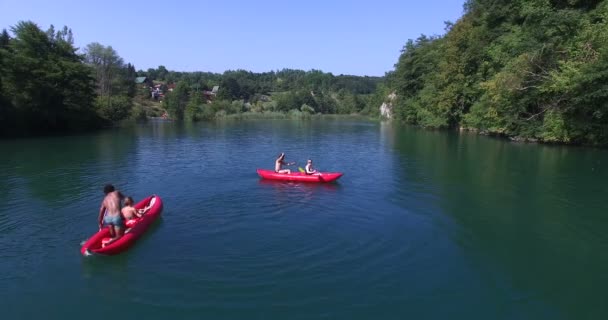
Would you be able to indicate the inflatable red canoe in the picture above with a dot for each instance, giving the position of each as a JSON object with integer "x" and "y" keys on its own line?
{"x": 135, "y": 228}
{"x": 300, "y": 176}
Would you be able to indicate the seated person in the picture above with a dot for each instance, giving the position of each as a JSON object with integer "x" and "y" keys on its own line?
{"x": 129, "y": 212}
{"x": 278, "y": 164}
{"x": 308, "y": 169}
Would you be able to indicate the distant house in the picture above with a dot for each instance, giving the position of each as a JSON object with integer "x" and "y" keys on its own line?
{"x": 144, "y": 81}
{"x": 157, "y": 91}
{"x": 209, "y": 95}
{"x": 156, "y": 94}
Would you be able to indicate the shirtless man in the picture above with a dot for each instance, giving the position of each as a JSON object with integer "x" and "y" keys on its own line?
{"x": 278, "y": 164}
{"x": 111, "y": 207}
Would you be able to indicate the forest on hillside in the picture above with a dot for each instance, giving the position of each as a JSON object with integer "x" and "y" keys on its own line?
{"x": 48, "y": 85}
{"x": 533, "y": 70}
{"x": 296, "y": 92}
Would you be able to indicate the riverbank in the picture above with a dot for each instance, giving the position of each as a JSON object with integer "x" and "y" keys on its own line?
{"x": 528, "y": 140}
{"x": 294, "y": 115}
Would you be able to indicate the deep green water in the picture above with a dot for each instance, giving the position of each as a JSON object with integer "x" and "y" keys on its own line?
{"x": 423, "y": 225}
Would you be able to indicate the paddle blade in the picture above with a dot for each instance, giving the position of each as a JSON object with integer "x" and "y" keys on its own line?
{"x": 301, "y": 170}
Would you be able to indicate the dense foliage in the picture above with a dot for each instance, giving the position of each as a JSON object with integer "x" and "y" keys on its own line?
{"x": 281, "y": 91}
{"x": 527, "y": 69}
{"x": 115, "y": 82}
{"x": 46, "y": 86}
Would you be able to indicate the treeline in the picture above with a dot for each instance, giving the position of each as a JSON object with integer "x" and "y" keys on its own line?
{"x": 281, "y": 91}
{"x": 46, "y": 86}
{"x": 242, "y": 84}
{"x": 526, "y": 69}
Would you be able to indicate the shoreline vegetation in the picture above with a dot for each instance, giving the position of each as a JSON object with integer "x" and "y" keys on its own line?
{"x": 526, "y": 70}
{"x": 48, "y": 86}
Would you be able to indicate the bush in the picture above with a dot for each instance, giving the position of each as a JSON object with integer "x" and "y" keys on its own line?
{"x": 207, "y": 113}
{"x": 115, "y": 108}
{"x": 237, "y": 106}
{"x": 138, "y": 113}
{"x": 307, "y": 109}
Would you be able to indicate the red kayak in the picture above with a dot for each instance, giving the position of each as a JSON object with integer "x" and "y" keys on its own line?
{"x": 300, "y": 176}
{"x": 135, "y": 228}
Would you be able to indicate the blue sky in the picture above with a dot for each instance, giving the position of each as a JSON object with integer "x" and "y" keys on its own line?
{"x": 342, "y": 37}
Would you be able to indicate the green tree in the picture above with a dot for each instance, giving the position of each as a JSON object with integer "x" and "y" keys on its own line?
{"x": 114, "y": 108}
{"x": 6, "y": 109}
{"x": 194, "y": 108}
{"x": 176, "y": 101}
{"x": 46, "y": 82}
{"x": 107, "y": 64}
{"x": 115, "y": 81}
{"x": 531, "y": 69}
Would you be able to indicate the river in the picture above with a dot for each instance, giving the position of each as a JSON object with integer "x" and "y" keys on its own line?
{"x": 423, "y": 225}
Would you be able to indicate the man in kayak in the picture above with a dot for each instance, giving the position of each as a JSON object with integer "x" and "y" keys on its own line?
{"x": 110, "y": 206}
{"x": 308, "y": 168}
{"x": 278, "y": 164}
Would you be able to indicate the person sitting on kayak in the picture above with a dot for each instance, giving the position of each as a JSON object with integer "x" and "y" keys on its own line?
{"x": 278, "y": 164}
{"x": 308, "y": 168}
{"x": 109, "y": 213}
{"x": 129, "y": 212}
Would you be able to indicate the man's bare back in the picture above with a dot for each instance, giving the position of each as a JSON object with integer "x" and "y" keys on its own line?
{"x": 109, "y": 213}
{"x": 112, "y": 203}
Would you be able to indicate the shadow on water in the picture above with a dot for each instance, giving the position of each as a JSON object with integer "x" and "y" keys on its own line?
{"x": 305, "y": 189}
{"x": 300, "y": 185}
{"x": 530, "y": 217}
{"x": 288, "y": 193}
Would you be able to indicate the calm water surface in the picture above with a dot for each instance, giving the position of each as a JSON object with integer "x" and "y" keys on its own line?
{"x": 423, "y": 225}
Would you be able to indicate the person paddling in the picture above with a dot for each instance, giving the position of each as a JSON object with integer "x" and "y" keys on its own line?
{"x": 109, "y": 213}
{"x": 280, "y": 162}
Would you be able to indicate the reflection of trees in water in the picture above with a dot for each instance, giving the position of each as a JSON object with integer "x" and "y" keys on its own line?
{"x": 534, "y": 211}
{"x": 54, "y": 169}
{"x": 6, "y": 182}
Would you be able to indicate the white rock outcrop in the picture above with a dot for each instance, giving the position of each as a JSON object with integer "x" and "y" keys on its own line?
{"x": 386, "y": 109}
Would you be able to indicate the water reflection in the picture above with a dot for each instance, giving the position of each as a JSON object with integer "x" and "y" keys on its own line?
{"x": 58, "y": 168}
{"x": 528, "y": 215}
{"x": 298, "y": 191}
{"x": 483, "y": 228}
{"x": 291, "y": 185}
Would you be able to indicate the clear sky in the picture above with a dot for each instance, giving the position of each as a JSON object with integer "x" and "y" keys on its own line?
{"x": 342, "y": 37}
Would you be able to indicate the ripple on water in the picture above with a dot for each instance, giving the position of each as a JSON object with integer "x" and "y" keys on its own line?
{"x": 404, "y": 229}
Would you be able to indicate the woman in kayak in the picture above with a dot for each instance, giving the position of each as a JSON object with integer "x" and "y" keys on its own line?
{"x": 308, "y": 168}
{"x": 278, "y": 164}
